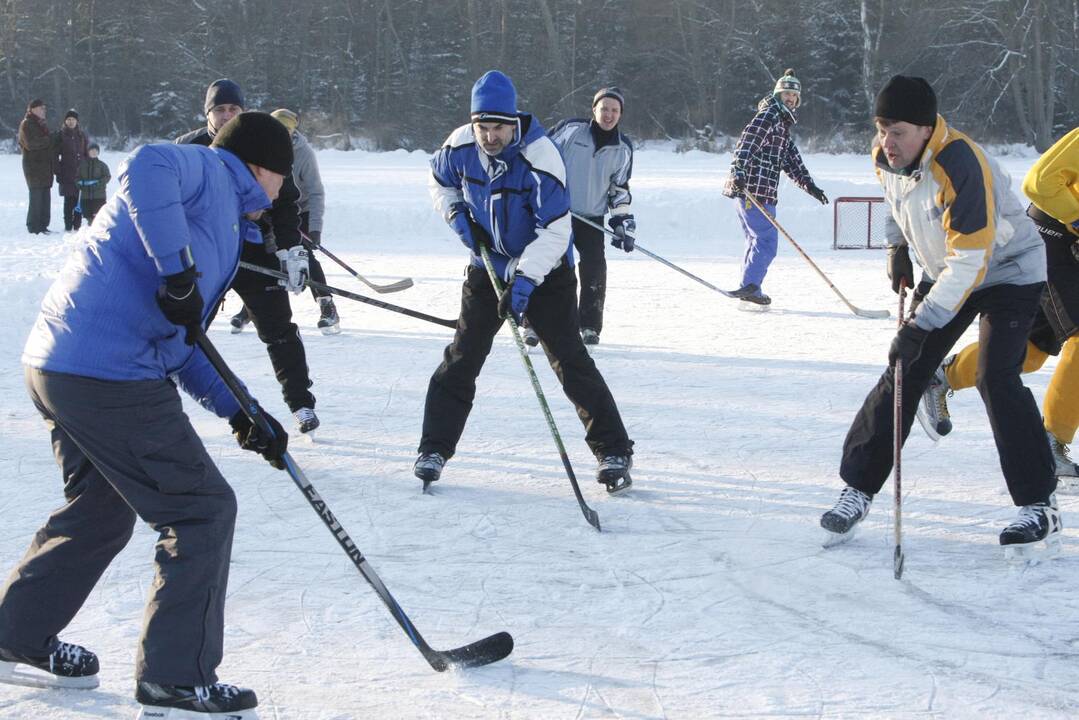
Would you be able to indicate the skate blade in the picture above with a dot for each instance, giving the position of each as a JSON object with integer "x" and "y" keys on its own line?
{"x": 1067, "y": 485}
{"x": 427, "y": 487}
{"x": 308, "y": 436}
{"x": 923, "y": 420}
{"x": 621, "y": 487}
{"x": 746, "y": 306}
{"x": 154, "y": 712}
{"x": 235, "y": 330}
{"x": 834, "y": 539}
{"x": 12, "y": 673}
{"x": 1033, "y": 553}
{"x": 332, "y": 330}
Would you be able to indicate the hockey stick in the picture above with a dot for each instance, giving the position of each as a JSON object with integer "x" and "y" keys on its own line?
{"x": 392, "y": 287}
{"x": 897, "y": 449}
{"x": 668, "y": 263}
{"x": 589, "y": 514}
{"x": 482, "y": 652}
{"x": 353, "y": 296}
{"x": 853, "y": 308}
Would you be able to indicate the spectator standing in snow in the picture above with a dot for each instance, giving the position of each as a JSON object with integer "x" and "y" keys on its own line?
{"x": 599, "y": 162}
{"x": 38, "y": 148}
{"x": 504, "y": 158}
{"x": 278, "y": 248}
{"x": 764, "y": 149}
{"x": 953, "y": 205}
{"x": 312, "y": 204}
{"x": 71, "y": 150}
{"x": 103, "y": 362}
{"x": 93, "y": 178}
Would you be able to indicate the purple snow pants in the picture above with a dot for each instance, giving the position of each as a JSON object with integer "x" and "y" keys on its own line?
{"x": 762, "y": 240}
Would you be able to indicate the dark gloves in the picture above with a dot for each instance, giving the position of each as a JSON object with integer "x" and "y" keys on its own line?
{"x": 250, "y": 437}
{"x": 315, "y": 236}
{"x": 817, "y": 194}
{"x": 181, "y": 303}
{"x": 471, "y": 233}
{"x": 900, "y": 268}
{"x": 514, "y": 298}
{"x": 907, "y": 344}
{"x": 623, "y": 227}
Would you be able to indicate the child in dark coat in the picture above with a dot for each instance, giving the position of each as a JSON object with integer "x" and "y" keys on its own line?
{"x": 92, "y": 178}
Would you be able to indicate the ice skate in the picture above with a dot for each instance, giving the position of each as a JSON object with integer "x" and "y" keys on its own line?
{"x": 613, "y": 471}
{"x": 1067, "y": 471}
{"x": 752, "y": 299}
{"x": 329, "y": 323}
{"x": 841, "y": 522}
{"x": 239, "y": 320}
{"x": 1034, "y": 534}
{"x": 932, "y": 411}
{"x": 68, "y": 666}
{"x": 306, "y": 422}
{"x": 201, "y": 702}
{"x": 529, "y": 336}
{"x": 428, "y": 468}
{"x": 589, "y": 336}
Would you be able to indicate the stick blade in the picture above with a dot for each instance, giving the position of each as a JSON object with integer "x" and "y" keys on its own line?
{"x": 897, "y": 563}
{"x": 876, "y": 314}
{"x": 592, "y": 517}
{"x": 482, "y": 652}
{"x": 392, "y": 287}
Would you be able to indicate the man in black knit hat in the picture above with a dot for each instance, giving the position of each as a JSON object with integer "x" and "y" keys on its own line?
{"x": 266, "y": 304}
{"x": 982, "y": 256}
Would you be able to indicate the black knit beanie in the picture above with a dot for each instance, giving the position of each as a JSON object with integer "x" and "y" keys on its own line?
{"x": 71, "y": 113}
{"x": 257, "y": 138}
{"x": 909, "y": 99}
{"x": 222, "y": 92}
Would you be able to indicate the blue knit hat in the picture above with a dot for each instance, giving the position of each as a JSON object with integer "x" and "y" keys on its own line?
{"x": 223, "y": 92}
{"x": 494, "y": 99}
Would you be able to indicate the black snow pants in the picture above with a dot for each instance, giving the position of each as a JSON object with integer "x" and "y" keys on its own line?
{"x": 1007, "y": 312}
{"x": 592, "y": 266}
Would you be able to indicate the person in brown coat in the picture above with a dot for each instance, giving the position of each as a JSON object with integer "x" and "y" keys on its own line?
{"x": 71, "y": 149}
{"x": 38, "y": 152}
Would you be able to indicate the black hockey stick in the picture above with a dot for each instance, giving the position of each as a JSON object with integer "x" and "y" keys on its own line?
{"x": 398, "y": 286}
{"x": 668, "y": 263}
{"x": 353, "y": 296}
{"x": 589, "y": 514}
{"x": 482, "y": 652}
{"x": 897, "y": 449}
{"x": 853, "y": 308}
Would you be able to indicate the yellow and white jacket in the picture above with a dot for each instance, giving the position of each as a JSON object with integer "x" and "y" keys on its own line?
{"x": 1053, "y": 183}
{"x": 967, "y": 229}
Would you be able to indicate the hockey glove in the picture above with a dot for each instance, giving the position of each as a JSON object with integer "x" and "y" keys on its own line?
{"x": 181, "y": 303}
{"x": 738, "y": 181}
{"x": 514, "y": 298}
{"x": 272, "y": 447}
{"x": 907, "y": 344}
{"x": 468, "y": 230}
{"x": 900, "y": 268}
{"x": 623, "y": 227}
{"x": 817, "y": 194}
{"x": 294, "y": 262}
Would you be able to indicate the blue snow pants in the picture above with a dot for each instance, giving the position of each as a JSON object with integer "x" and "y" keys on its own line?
{"x": 762, "y": 240}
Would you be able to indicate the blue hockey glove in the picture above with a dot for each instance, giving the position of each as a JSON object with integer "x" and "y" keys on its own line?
{"x": 470, "y": 232}
{"x": 514, "y": 298}
{"x": 623, "y": 227}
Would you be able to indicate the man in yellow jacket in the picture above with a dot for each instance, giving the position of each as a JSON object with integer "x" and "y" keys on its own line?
{"x": 1053, "y": 187}
{"x": 951, "y": 204}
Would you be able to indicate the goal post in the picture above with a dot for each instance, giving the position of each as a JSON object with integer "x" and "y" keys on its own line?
{"x": 858, "y": 223}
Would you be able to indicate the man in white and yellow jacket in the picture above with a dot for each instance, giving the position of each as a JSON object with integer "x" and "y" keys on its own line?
{"x": 982, "y": 256}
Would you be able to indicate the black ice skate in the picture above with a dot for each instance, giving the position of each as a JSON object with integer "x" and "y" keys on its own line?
{"x": 1034, "y": 532}
{"x": 589, "y": 336}
{"x": 428, "y": 468}
{"x": 306, "y": 422}
{"x": 68, "y": 666}
{"x": 329, "y": 323}
{"x": 530, "y": 337}
{"x": 841, "y": 521}
{"x": 613, "y": 472}
{"x": 933, "y": 413}
{"x": 201, "y": 702}
{"x": 239, "y": 320}
{"x": 751, "y": 293}
{"x": 1067, "y": 472}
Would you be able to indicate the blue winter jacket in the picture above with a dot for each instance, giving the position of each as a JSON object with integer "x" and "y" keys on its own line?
{"x": 100, "y": 318}
{"x": 519, "y": 197}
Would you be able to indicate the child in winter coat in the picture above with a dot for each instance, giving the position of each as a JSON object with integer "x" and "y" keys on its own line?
{"x": 92, "y": 178}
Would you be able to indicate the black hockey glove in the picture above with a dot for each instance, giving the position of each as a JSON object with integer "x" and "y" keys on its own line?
{"x": 817, "y": 194}
{"x": 738, "y": 181}
{"x": 907, "y": 344}
{"x": 250, "y": 437}
{"x": 623, "y": 227}
{"x": 181, "y": 303}
{"x": 900, "y": 267}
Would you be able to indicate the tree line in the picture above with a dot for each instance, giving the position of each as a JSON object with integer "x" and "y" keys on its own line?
{"x": 398, "y": 72}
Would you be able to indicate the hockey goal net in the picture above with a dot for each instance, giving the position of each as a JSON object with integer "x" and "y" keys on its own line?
{"x": 858, "y": 223}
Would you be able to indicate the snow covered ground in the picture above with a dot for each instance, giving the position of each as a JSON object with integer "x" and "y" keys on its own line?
{"x": 708, "y": 594}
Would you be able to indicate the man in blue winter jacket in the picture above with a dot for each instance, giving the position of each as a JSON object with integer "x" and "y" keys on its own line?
{"x": 500, "y": 181}
{"x": 112, "y": 342}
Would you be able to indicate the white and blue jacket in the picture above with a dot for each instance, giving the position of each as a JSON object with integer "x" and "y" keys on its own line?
{"x": 518, "y": 197}
{"x": 100, "y": 318}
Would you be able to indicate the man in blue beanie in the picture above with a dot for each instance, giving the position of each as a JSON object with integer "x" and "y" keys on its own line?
{"x": 500, "y": 181}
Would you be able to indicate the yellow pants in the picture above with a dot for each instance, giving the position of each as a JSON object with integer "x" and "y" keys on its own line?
{"x": 1061, "y": 405}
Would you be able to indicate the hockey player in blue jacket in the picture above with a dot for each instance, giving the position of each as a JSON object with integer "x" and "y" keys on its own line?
{"x": 500, "y": 181}
{"x": 102, "y": 363}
